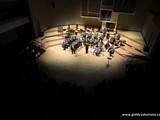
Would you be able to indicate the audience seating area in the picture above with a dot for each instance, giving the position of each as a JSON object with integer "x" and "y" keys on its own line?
{"x": 30, "y": 94}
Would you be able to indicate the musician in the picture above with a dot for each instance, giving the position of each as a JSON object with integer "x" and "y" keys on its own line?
{"x": 94, "y": 48}
{"x": 104, "y": 31}
{"x": 87, "y": 47}
{"x": 111, "y": 50}
{"x": 99, "y": 49}
{"x": 83, "y": 35}
{"x": 101, "y": 37}
{"x": 68, "y": 35}
{"x": 74, "y": 38}
{"x": 65, "y": 44}
{"x": 112, "y": 40}
{"x": 76, "y": 31}
{"x": 95, "y": 35}
{"x": 107, "y": 35}
{"x": 107, "y": 45}
{"x": 73, "y": 48}
{"x": 90, "y": 35}
{"x": 68, "y": 28}
{"x": 117, "y": 41}
{"x": 122, "y": 42}
{"x": 118, "y": 37}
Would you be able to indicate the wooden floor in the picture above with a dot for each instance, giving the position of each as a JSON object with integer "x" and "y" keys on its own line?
{"x": 88, "y": 69}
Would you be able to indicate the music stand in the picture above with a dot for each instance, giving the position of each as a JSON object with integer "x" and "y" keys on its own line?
{"x": 108, "y": 65}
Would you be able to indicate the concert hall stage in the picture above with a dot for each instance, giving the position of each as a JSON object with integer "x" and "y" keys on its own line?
{"x": 87, "y": 69}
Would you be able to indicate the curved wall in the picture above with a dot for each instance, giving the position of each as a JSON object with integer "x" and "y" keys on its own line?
{"x": 65, "y": 12}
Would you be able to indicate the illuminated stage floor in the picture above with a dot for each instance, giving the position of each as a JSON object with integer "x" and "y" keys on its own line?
{"x": 86, "y": 69}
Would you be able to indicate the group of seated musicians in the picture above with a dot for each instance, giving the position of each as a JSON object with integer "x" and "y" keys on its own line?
{"x": 73, "y": 42}
{"x": 114, "y": 42}
{"x": 68, "y": 30}
{"x": 117, "y": 41}
{"x": 95, "y": 40}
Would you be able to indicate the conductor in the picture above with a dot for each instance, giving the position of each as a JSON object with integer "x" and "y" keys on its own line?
{"x": 87, "y": 47}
